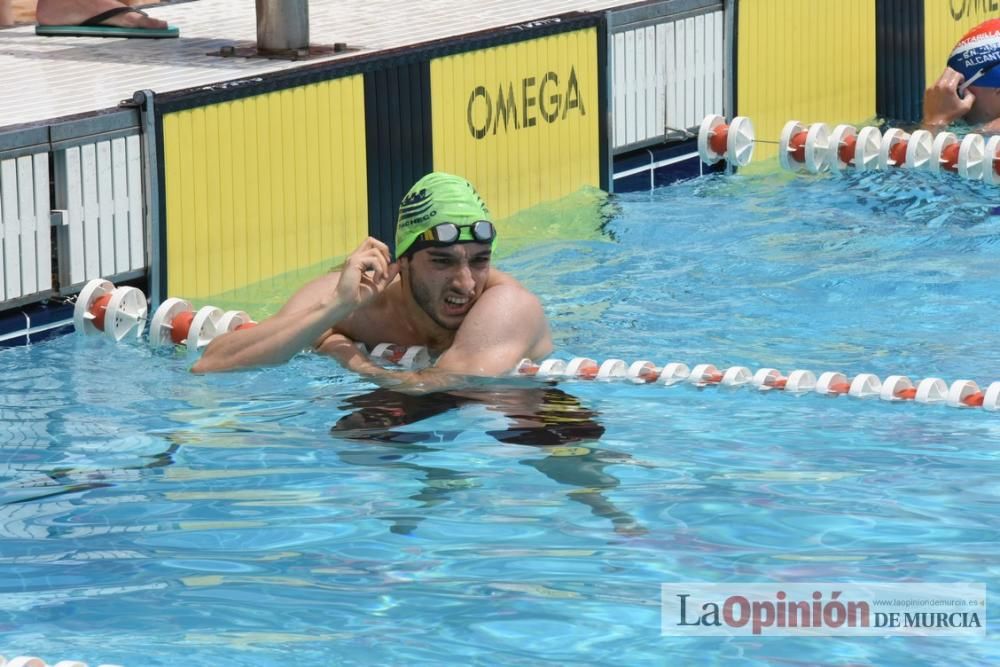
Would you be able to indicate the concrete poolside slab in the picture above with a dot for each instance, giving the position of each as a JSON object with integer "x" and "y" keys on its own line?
{"x": 46, "y": 78}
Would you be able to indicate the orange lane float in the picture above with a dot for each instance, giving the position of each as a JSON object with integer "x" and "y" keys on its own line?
{"x": 733, "y": 142}
{"x": 116, "y": 312}
{"x": 850, "y": 148}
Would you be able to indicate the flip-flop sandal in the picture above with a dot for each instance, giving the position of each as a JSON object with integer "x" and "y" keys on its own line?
{"x": 94, "y": 27}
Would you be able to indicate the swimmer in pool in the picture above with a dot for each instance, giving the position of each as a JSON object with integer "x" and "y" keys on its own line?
{"x": 442, "y": 293}
{"x": 969, "y": 87}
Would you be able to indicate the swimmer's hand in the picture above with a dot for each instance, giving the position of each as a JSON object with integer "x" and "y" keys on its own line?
{"x": 367, "y": 271}
{"x": 942, "y": 105}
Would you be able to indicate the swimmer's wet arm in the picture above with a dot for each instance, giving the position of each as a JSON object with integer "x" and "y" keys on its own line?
{"x": 343, "y": 349}
{"x": 273, "y": 341}
{"x": 506, "y": 326}
{"x": 992, "y": 127}
{"x": 307, "y": 317}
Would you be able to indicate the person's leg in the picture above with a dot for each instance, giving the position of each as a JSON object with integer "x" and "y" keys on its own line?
{"x": 75, "y": 12}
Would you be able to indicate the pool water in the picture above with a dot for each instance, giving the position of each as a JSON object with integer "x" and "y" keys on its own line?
{"x": 297, "y": 515}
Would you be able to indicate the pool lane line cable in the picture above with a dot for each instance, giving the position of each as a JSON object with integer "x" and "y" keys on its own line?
{"x": 120, "y": 312}
{"x": 816, "y": 149}
{"x": 959, "y": 394}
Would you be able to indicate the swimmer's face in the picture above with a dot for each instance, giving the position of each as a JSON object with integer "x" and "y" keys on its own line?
{"x": 987, "y": 105}
{"x": 445, "y": 282}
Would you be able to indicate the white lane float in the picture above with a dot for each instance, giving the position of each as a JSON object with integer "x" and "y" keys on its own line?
{"x": 800, "y": 382}
{"x": 642, "y": 372}
{"x": 582, "y": 367}
{"x": 931, "y": 390}
{"x": 851, "y": 148}
{"x": 551, "y": 368}
{"x": 766, "y": 379}
{"x": 832, "y": 383}
{"x": 612, "y": 369}
{"x": 116, "y": 312}
{"x": 176, "y": 322}
{"x": 804, "y": 149}
{"x": 413, "y": 357}
{"x": 865, "y": 385}
{"x": 733, "y": 142}
{"x": 706, "y": 374}
{"x": 901, "y": 149}
{"x": 674, "y": 373}
{"x": 964, "y": 394}
{"x": 991, "y": 159}
{"x": 897, "y": 388}
{"x": 991, "y": 398}
{"x": 965, "y": 157}
{"x": 234, "y": 320}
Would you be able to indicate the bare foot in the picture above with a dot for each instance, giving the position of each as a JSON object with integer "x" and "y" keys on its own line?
{"x": 75, "y": 12}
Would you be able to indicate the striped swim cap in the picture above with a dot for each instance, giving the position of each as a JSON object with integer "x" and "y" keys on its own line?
{"x": 436, "y": 198}
{"x": 979, "y": 50}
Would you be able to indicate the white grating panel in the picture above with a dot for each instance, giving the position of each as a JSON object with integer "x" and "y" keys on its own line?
{"x": 25, "y": 238}
{"x": 668, "y": 75}
{"x": 100, "y": 188}
{"x": 620, "y": 81}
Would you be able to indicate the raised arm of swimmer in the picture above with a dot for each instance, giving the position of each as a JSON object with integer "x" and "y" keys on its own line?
{"x": 306, "y": 317}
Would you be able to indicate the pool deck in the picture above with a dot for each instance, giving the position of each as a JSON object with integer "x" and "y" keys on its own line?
{"x": 47, "y": 78}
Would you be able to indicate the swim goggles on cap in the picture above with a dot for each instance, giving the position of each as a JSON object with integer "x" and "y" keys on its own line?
{"x": 975, "y": 77}
{"x": 448, "y": 232}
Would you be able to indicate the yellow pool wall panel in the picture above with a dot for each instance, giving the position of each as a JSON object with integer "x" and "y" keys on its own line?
{"x": 812, "y": 61}
{"x": 260, "y": 186}
{"x": 521, "y": 121}
{"x": 945, "y": 21}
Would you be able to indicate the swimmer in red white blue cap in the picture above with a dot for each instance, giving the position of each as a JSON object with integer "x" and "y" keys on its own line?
{"x": 441, "y": 293}
{"x": 969, "y": 88}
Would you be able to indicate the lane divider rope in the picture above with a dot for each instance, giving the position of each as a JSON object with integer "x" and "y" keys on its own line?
{"x": 959, "y": 394}
{"x": 120, "y": 312}
{"x": 815, "y": 149}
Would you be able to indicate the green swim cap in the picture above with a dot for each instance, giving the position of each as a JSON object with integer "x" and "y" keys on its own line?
{"x": 436, "y": 198}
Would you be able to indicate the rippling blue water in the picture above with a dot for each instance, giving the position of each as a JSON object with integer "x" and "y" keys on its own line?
{"x": 291, "y": 516}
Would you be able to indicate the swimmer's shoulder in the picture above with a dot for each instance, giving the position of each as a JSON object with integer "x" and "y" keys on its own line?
{"x": 507, "y": 287}
{"x": 498, "y": 278}
{"x": 506, "y": 294}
